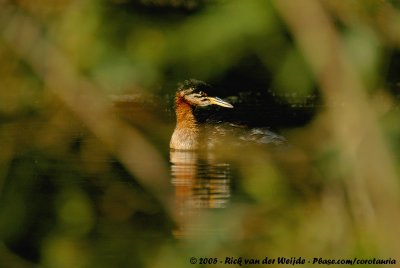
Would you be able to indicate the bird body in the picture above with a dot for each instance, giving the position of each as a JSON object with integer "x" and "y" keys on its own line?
{"x": 188, "y": 134}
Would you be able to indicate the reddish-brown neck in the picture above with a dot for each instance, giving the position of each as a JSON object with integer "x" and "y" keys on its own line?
{"x": 184, "y": 114}
{"x": 185, "y": 136}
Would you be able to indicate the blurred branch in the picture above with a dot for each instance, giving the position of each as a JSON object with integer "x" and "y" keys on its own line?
{"x": 368, "y": 168}
{"x": 381, "y": 16}
{"x": 24, "y": 35}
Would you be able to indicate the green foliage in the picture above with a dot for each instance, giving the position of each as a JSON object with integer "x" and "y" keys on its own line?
{"x": 83, "y": 184}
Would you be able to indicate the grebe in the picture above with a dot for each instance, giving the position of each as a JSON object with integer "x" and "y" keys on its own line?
{"x": 188, "y": 134}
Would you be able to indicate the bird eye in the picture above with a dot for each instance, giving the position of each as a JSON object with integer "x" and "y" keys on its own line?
{"x": 197, "y": 95}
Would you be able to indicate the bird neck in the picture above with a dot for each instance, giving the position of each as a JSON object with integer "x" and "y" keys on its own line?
{"x": 184, "y": 115}
{"x": 185, "y": 136}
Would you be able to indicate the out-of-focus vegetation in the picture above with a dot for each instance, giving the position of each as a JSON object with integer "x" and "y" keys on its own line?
{"x": 83, "y": 184}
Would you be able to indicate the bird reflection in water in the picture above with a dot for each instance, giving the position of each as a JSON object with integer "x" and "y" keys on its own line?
{"x": 201, "y": 182}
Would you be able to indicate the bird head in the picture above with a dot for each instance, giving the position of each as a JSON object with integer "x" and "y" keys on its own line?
{"x": 193, "y": 92}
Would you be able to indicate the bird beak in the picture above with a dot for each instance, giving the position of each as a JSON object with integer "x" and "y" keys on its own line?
{"x": 218, "y": 101}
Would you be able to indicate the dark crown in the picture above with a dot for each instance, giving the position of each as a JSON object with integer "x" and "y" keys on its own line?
{"x": 197, "y": 86}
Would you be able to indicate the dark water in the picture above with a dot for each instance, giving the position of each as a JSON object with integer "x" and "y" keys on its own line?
{"x": 59, "y": 178}
{"x": 202, "y": 180}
